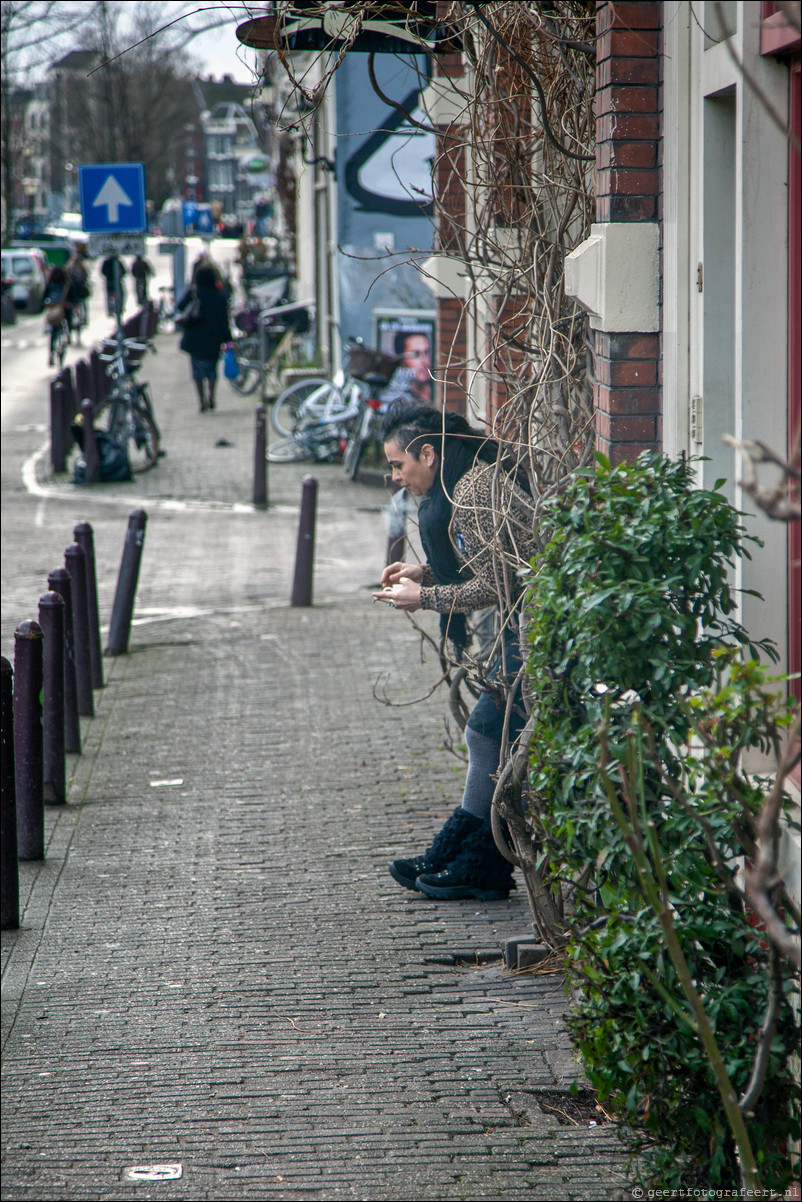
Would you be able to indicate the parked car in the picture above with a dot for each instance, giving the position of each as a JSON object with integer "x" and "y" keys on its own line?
{"x": 27, "y": 227}
{"x": 70, "y": 226}
{"x": 8, "y": 310}
{"x": 27, "y": 272}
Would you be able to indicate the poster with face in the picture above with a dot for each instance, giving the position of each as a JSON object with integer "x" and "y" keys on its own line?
{"x": 409, "y": 336}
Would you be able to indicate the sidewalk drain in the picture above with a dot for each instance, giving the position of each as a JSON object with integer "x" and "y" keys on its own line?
{"x": 154, "y": 1172}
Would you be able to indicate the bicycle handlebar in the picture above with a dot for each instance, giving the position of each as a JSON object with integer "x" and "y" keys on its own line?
{"x": 129, "y": 344}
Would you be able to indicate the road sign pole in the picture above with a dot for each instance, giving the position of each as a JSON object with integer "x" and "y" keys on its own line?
{"x": 118, "y": 294}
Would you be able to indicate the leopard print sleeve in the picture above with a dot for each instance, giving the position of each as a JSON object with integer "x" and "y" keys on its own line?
{"x": 481, "y": 533}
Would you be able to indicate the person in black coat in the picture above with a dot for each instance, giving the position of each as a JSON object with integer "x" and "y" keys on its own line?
{"x": 203, "y": 340}
{"x": 113, "y": 270}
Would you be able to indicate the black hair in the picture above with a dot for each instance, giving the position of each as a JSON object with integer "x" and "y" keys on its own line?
{"x": 458, "y": 444}
{"x": 206, "y": 277}
{"x": 401, "y": 337}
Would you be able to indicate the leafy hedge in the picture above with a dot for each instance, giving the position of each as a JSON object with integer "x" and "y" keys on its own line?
{"x": 643, "y": 709}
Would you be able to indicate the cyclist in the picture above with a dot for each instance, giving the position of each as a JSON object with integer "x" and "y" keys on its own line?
{"x": 79, "y": 276}
{"x": 59, "y": 301}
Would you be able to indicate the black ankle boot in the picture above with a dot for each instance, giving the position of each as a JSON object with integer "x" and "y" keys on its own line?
{"x": 479, "y": 871}
{"x": 445, "y": 846}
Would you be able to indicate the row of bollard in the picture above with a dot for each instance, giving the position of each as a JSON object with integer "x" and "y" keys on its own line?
{"x": 82, "y": 388}
{"x": 58, "y": 663}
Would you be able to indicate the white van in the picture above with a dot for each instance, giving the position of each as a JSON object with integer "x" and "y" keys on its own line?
{"x": 27, "y": 270}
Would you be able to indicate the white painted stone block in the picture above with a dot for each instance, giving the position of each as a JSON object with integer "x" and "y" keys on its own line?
{"x": 614, "y": 275}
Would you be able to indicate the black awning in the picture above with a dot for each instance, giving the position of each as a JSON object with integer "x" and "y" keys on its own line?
{"x": 413, "y": 31}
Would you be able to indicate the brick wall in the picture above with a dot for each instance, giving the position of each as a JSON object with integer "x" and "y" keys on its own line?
{"x": 627, "y": 396}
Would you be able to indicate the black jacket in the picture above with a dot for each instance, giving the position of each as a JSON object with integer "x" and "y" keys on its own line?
{"x": 204, "y": 340}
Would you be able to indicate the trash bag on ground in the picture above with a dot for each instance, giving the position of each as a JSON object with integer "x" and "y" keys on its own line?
{"x": 112, "y": 459}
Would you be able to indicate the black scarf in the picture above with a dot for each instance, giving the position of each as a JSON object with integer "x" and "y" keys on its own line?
{"x": 434, "y": 519}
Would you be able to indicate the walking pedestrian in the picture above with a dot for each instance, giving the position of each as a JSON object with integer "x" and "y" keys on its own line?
{"x": 471, "y": 559}
{"x": 204, "y": 338}
{"x": 141, "y": 270}
{"x": 113, "y": 270}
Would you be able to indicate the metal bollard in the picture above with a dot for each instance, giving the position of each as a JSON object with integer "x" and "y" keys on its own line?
{"x": 123, "y": 608}
{"x": 60, "y": 582}
{"x": 90, "y": 443}
{"x": 83, "y": 383}
{"x": 28, "y": 743}
{"x": 75, "y": 563}
{"x": 260, "y": 460}
{"x": 85, "y": 538}
{"x": 9, "y": 869}
{"x": 51, "y": 620}
{"x": 70, "y": 405}
{"x": 59, "y": 444}
{"x": 99, "y": 378}
{"x": 305, "y": 551}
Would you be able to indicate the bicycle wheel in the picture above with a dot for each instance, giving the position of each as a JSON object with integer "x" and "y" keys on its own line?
{"x": 131, "y": 428}
{"x": 353, "y": 454}
{"x": 79, "y": 320}
{"x": 142, "y": 396}
{"x": 316, "y": 397}
{"x": 60, "y": 342}
{"x": 246, "y": 352}
{"x": 164, "y": 312}
{"x": 288, "y": 450}
{"x": 365, "y": 435}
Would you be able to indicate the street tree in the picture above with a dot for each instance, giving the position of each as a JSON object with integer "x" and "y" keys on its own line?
{"x": 127, "y": 97}
{"x": 32, "y": 34}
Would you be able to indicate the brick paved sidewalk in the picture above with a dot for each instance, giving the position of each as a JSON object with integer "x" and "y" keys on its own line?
{"x": 214, "y": 969}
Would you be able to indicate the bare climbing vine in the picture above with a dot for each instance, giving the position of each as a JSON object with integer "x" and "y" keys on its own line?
{"x": 513, "y": 197}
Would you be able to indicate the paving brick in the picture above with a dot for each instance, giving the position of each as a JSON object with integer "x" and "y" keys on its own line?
{"x": 221, "y": 972}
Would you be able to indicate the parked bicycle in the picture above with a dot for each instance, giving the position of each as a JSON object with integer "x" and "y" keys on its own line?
{"x": 166, "y": 308}
{"x": 321, "y": 427}
{"x": 316, "y": 398}
{"x": 126, "y": 415}
{"x": 319, "y": 418}
{"x": 283, "y": 327}
{"x": 386, "y": 382}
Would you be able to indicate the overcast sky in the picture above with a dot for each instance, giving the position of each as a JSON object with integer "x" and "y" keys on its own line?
{"x": 218, "y": 52}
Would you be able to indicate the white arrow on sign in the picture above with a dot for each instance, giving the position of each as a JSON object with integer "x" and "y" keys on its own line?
{"x": 112, "y": 196}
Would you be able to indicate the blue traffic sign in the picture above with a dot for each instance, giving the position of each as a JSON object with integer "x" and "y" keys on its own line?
{"x": 113, "y": 198}
{"x": 203, "y": 222}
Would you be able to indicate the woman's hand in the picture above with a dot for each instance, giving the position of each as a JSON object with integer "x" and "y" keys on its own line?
{"x": 403, "y": 595}
{"x": 394, "y": 572}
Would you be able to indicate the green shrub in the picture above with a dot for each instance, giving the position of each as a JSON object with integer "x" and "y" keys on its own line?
{"x": 634, "y": 644}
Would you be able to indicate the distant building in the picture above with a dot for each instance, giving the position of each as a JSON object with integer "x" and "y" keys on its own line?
{"x": 63, "y": 96}
{"x": 238, "y": 159}
{"x": 211, "y": 145}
